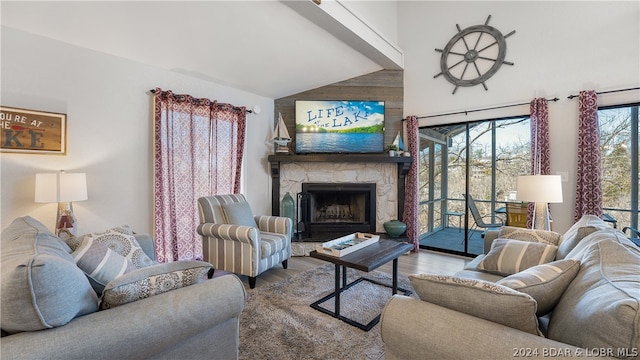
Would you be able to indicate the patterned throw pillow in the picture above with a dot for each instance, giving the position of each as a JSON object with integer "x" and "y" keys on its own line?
{"x": 545, "y": 283}
{"x": 152, "y": 280}
{"x": 100, "y": 263}
{"x": 508, "y": 257}
{"x": 479, "y": 298}
{"x": 533, "y": 235}
{"x": 121, "y": 240}
{"x": 73, "y": 242}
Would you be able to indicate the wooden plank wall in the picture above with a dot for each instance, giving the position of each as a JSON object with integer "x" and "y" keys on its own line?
{"x": 383, "y": 85}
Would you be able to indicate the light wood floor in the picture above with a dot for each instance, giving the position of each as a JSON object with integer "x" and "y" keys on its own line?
{"x": 421, "y": 262}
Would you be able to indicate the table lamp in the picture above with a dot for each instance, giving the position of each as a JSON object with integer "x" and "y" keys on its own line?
{"x": 62, "y": 188}
{"x": 542, "y": 190}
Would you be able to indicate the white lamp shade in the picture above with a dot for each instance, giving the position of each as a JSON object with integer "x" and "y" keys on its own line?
{"x": 540, "y": 188}
{"x": 60, "y": 187}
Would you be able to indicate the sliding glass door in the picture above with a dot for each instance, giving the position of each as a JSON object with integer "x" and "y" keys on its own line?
{"x": 482, "y": 159}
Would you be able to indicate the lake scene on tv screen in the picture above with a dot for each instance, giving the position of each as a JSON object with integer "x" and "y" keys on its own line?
{"x": 339, "y": 126}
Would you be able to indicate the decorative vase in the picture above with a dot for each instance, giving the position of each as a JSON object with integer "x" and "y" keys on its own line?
{"x": 394, "y": 228}
{"x": 288, "y": 208}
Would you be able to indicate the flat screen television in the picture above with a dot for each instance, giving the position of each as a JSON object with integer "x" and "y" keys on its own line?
{"x": 342, "y": 126}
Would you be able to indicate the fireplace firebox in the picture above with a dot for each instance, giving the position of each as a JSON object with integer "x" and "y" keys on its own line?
{"x": 337, "y": 208}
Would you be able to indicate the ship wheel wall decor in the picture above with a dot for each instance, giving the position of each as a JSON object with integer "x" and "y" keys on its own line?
{"x": 470, "y": 57}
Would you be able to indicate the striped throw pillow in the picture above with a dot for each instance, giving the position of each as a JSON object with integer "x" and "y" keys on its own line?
{"x": 100, "y": 263}
{"x": 508, "y": 257}
{"x": 545, "y": 283}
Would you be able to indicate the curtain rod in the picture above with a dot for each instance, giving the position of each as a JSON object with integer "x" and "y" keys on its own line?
{"x": 606, "y": 92}
{"x": 466, "y": 112}
{"x": 153, "y": 91}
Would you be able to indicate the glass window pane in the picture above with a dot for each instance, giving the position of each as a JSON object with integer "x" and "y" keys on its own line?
{"x": 618, "y": 156}
{"x": 513, "y": 156}
{"x": 480, "y": 165}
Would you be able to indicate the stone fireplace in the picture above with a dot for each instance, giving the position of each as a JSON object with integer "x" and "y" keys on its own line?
{"x": 289, "y": 172}
{"x": 338, "y": 207}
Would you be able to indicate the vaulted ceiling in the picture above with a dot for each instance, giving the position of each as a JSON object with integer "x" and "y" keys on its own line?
{"x": 270, "y": 48}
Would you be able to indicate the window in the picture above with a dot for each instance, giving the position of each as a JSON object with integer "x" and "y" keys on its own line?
{"x": 619, "y": 160}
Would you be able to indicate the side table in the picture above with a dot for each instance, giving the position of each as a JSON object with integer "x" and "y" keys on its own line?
{"x": 455, "y": 213}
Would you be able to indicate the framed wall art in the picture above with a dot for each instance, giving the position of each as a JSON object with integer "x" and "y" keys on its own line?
{"x": 339, "y": 126}
{"x": 32, "y": 131}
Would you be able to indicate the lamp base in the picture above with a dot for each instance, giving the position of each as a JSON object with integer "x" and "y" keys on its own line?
{"x": 66, "y": 224}
{"x": 541, "y": 217}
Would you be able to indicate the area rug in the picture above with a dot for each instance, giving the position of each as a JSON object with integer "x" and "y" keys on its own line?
{"x": 278, "y": 322}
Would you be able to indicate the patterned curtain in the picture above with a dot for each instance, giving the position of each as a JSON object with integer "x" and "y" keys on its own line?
{"x": 410, "y": 216}
{"x": 198, "y": 151}
{"x": 540, "y": 164}
{"x": 588, "y": 186}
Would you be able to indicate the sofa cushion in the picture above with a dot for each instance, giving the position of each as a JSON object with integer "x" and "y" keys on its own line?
{"x": 568, "y": 245}
{"x": 239, "y": 213}
{"x": 545, "y": 283}
{"x": 479, "y": 298}
{"x": 152, "y": 280}
{"x": 601, "y": 306}
{"x": 100, "y": 263}
{"x": 574, "y": 235}
{"x": 41, "y": 285}
{"x": 508, "y": 257}
{"x": 121, "y": 240}
{"x": 532, "y": 235}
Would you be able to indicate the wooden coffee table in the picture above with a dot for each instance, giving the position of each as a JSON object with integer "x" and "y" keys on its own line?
{"x": 366, "y": 259}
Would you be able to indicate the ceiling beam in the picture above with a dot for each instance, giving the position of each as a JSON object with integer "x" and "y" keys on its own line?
{"x": 338, "y": 20}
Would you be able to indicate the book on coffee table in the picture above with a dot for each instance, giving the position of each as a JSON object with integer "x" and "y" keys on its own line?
{"x": 347, "y": 244}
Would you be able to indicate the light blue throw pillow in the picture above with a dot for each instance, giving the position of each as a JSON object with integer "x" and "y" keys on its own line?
{"x": 239, "y": 213}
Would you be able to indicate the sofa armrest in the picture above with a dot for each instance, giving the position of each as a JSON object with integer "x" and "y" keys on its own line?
{"x": 141, "y": 329}
{"x": 245, "y": 234}
{"x": 489, "y": 236}
{"x": 415, "y": 329}
{"x": 275, "y": 224}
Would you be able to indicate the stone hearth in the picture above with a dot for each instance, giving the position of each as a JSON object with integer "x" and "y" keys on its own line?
{"x": 288, "y": 172}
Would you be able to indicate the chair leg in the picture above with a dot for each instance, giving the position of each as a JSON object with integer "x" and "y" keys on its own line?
{"x": 285, "y": 263}
{"x": 252, "y": 282}
{"x": 210, "y": 273}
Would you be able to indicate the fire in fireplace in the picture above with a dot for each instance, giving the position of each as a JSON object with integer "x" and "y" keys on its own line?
{"x": 337, "y": 208}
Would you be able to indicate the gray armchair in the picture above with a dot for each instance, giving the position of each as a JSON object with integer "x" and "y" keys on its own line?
{"x": 235, "y": 240}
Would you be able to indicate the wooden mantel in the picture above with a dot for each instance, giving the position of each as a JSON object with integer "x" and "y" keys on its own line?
{"x": 403, "y": 162}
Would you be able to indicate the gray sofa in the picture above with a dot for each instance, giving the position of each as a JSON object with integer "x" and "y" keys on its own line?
{"x": 590, "y": 310}
{"x": 199, "y": 321}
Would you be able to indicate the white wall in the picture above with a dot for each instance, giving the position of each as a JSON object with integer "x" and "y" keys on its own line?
{"x": 109, "y": 136}
{"x": 559, "y": 48}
